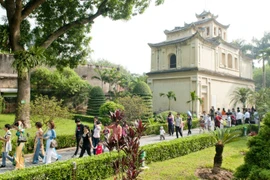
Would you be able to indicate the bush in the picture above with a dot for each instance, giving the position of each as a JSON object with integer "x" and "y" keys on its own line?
{"x": 134, "y": 107}
{"x": 142, "y": 89}
{"x": 97, "y": 98}
{"x": 106, "y": 108}
{"x": 257, "y": 159}
{"x": 100, "y": 167}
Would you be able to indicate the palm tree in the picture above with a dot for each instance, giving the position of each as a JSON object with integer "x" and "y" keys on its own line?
{"x": 101, "y": 75}
{"x": 170, "y": 95}
{"x": 222, "y": 137}
{"x": 264, "y": 55}
{"x": 241, "y": 95}
{"x": 194, "y": 98}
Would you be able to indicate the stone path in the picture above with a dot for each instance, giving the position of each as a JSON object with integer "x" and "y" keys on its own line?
{"x": 68, "y": 152}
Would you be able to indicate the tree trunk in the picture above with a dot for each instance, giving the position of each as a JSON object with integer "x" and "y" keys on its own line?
{"x": 169, "y": 104}
{"x": 23, "y": 99}
{"x": 218, "y": 158}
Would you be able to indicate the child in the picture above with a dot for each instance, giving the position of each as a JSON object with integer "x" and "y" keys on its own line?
{"x": 7, "y": 146}
{"x": 202, "y": 125}
{"x": 99, "y": 148}
{"x": 106, "y": 133}
{"x": 162, "y": 132}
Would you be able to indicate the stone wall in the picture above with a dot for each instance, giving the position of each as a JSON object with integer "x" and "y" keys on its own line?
{"x": 8, "y": 76}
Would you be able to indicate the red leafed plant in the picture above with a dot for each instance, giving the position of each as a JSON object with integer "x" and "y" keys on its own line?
{"x": 127, "y": 167}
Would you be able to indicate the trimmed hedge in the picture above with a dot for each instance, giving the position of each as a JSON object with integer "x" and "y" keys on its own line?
{"x": 100, "y": 167}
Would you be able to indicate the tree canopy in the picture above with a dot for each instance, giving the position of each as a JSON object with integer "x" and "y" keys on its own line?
{"x": 59, "y": 27}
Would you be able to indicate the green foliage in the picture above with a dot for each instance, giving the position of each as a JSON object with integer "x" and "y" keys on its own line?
{"x": 194, "y": 98}
{"x": 170, "y": 95}
{"x": 134, "y": 107}
{"x": 257, "y": 77}
{"x": 226, "y": 135}
{"x": 142, "y": 90}
{"x": 64, "y": 84}
{"x": 106, "y": 108}
{"x": 26, "y": 60}
{"x": 1, "y": 104}
{"x": 257, "y": 159}
{"x": 44, "y": 109}
{"x": 96, "y": 99}
{"x": 100, "y": 167}
{"x": 241, "y": 95}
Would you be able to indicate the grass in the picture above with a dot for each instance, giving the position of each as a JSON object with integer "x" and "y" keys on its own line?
{"x": 63, "y": 126}
{"x": 184, "y": 167}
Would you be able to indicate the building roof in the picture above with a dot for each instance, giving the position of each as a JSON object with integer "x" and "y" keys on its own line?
{"x": 218, "y": 40}
{"x": 164, "y": 43}
{"x": 195, "y": 35}
{"x": 193, "y": 24}
{"x": 205, "y": 13}
{"x": 201, "y": 70}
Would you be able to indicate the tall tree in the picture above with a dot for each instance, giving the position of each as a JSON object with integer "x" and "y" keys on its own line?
{"x": 60, "y": 30}
{"x": 241, "y": 95}
{"x": 263, "y": 56}
{"x": 193, "y": 99}
{"x": 170, "y": 95}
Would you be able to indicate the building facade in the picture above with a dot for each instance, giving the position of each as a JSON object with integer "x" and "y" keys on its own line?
{"x": 197, "y": 57}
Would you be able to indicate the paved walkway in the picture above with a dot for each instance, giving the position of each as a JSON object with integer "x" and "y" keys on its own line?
{"x": 68, "y": 152}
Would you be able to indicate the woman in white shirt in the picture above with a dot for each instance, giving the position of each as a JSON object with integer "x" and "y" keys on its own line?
{"x": 7, "y": 147}
{"x": 96, "y": 135}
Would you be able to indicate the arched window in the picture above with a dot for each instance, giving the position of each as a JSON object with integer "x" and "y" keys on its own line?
{"x": 230, "y": 63}
{"x": 173, "y": 61}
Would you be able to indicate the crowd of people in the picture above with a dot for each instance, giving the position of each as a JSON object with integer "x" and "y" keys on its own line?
{"x": 214, "y": 118}
{"x": 87, "y": 140}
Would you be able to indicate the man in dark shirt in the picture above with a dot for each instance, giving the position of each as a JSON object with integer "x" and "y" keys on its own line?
{"x": 78, "y": 134}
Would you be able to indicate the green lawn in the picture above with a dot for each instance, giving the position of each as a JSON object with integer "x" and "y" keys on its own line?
{"x": 63, "y": 126}
{"x": 184, "y": 167}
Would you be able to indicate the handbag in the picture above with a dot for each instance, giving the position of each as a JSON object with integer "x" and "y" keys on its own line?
{"x": 22, "y": 138}
{"x": 53, "y": 144}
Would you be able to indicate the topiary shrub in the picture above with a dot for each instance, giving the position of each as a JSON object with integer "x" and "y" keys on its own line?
{"x": 257, "y": 159}
{"x": 142, "y": 89}
{"x": 106, "y": 108}
{"x": 96, "y": 99}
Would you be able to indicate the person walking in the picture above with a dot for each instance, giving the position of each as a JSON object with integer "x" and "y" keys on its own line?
{"x": 7, "y": 146}
{"x": 170, "y": 121}
{"x": 78, "y": 134}
{"x": 50, "y": 151}
{"x": 19, "y": 156}
{"x": 189, "y": 123}
{"x": 178, "y": 125}
{"x": 212, "y": 113}
{"x": 38, "y": 144}
{"x": 247, "y": 116}
{"x": 86, "y": 141}
{"x": 217, "y": 120}
{"x": 239, "y": 117}
{"x": 161, "y": 133}
{"x": 96, "y": 136}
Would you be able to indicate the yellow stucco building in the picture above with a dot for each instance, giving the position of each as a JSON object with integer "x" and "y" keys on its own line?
{"x": 198, "y": 57}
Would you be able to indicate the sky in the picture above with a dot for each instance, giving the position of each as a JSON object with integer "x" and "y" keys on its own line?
{"x": 126, "y": 42}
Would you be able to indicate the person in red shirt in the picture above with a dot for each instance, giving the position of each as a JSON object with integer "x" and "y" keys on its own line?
{"x": 99, "y": 148}
{"x": 217, "y": 121}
